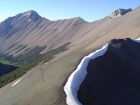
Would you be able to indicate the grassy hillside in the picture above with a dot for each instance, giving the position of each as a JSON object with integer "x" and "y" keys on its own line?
{"x": 27, "y": 61}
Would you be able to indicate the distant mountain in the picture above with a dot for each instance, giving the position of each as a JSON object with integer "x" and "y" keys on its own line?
{"x": 30, "y": 29}
{"x": 14, "y": 23}
{"x": 119, "y": 12}
{"x": 31, "y": 16}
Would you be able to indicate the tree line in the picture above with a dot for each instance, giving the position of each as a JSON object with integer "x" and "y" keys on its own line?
{"x": 27, "y": 61}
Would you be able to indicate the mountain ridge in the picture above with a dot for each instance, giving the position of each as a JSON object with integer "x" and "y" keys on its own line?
{"x": 30, "y": 21}
{"x": 44, "y": 83}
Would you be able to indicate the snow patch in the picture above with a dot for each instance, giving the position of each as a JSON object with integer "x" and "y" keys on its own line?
{"x": 74, "y": 81}
{"x": 137, "y": 40}
{"x": 86, "y": 43}
{"x": 103, "y": 33}
{"x": 91, "y": 40}
{"x": 16, "y": 82}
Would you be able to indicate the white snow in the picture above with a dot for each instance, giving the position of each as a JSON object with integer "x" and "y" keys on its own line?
{"x": 91, "y": 40}
{"x": 83, "y": 45}
{"x": 16, "y": 82}
{"x": 86, "y": 43}
{"x": 103, "y": 33}
{"x": 74, "y": 81}
{"x": 137, "y": 40}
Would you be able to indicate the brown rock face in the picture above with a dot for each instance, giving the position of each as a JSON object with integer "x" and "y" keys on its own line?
{"x": 114, "y": 78}
{"x": 119, "y": 12}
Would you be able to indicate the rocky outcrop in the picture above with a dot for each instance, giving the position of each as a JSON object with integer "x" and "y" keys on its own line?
{"x": 119, "y": 12}
{"x": 114, "y": 78}
{"x": 13, "y": 24}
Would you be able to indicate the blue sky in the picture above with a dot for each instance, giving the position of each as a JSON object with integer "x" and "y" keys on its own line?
{"x": 89, "y": 10}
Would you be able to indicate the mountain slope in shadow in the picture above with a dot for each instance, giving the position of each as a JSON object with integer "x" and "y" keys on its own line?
{"x": 5, "y": 68}
{"x": 114, "y": 78}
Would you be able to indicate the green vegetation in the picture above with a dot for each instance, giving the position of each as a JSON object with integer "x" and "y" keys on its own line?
{"x": 27, "y": 61}
{"x": 4, "y": 68}
{"x": 4, "y": 61}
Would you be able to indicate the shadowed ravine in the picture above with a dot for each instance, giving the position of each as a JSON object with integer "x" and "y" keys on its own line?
{"x": 114, "y": 78}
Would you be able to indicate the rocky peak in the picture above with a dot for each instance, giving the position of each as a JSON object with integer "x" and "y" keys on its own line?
{"x": 19, "y": 19}
{"x": 31, "y": 15}
{"x": 119, "y": 12}
{"x": 30, "y": 12}
{"x": 77, "y": 20}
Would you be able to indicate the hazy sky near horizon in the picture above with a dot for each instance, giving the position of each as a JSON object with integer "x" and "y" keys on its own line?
{"x": 89, "y": 10}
